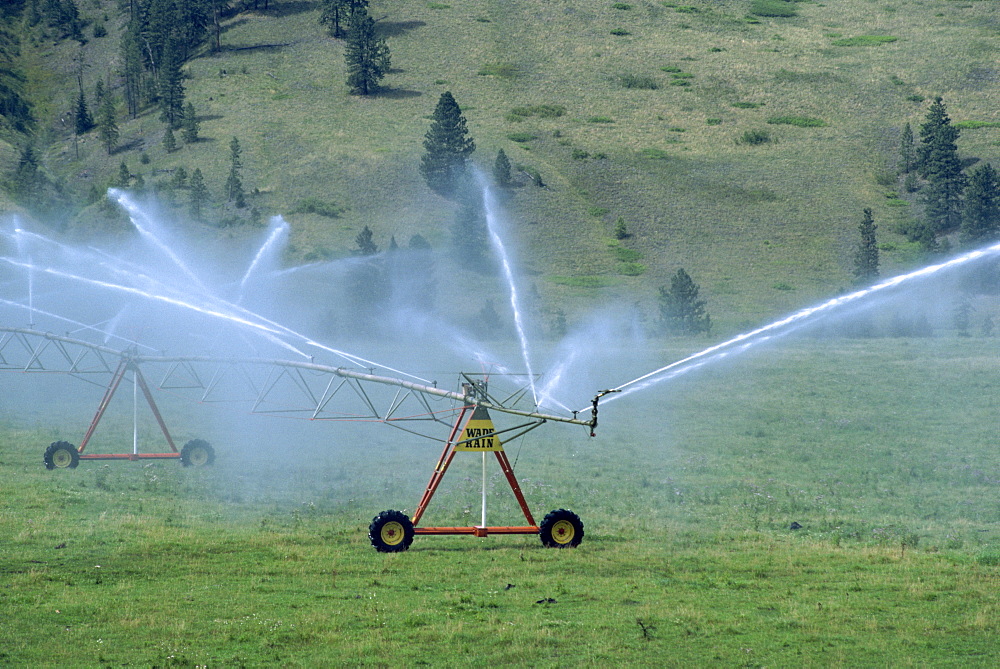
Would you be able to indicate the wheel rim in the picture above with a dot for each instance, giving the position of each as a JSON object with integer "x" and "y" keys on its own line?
{"x": 392, "y": 533}
{"x": 62, "y": 458}
{"x": 563, "y": 531}
{"x": 198, "y": 456}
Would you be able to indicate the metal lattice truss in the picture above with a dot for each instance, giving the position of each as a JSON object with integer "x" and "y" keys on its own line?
{"x": 305, "y": 390}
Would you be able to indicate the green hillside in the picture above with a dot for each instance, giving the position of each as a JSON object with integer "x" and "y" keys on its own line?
{"x": 654, "y": 98}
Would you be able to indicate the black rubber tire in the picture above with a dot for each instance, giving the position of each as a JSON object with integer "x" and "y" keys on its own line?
{"x": 61, "y": 455}
{"x": 391, "y": 532}
{"x": 197, "y": 453}
{"x": 561, "y": 529}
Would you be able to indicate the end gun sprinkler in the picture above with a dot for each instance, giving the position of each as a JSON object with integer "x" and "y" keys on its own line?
{"x": 593, "y": 412}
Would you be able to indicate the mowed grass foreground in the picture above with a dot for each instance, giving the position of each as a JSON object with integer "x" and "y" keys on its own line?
{"x": 884, "y": 451}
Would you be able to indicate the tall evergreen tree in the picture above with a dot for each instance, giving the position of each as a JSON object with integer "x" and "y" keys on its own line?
{"x": 866, "y": 255}
{"x": 981, "y": 214}
{"x": 366, "y": 242}
{"x": 681, "y": 311}
{"x": 198, "y": 194}
{"x": 28, "y": 182}
{"x": 938, "y": 162}
{"x": 501, "y": 169}
{"x": 124, "y": 176}
{"x": 107, "y": 126}
{"x": 447, "y": 147}
{"x": 470, "y": 233}
{"x": 234, "y": 185}
{"x": 83, "y": 120}
{"x": 132, "y": 72}
{"x": 366, "y": 54}
{"x": 169, "y": 141}
{"x": 171, "y": 87}
{"x": 907, "y": 151}
{"x": 190, "y": 125}
{"x": 336, "y": 13}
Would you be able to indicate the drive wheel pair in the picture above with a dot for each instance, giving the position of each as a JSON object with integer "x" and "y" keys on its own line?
{"x": 197, "y": 453}
{"x": 391, "y": 532}
{"x": 561, "y": 529}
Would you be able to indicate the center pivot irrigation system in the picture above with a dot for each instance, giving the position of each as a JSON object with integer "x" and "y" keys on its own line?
{"x": 308, "y": 390}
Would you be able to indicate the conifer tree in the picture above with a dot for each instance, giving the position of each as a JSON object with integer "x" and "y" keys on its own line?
{"x": 366, "y": 54}
{"x": 681, "y": 312}
{"x": 169, "y": 141}
{"x": 124, "y": 176}
{"x": 939, "y": 163}
{"x": 171, "y": 87}
{"x": 470, "y": 233}
{"x": 447, "y": 147}
{"x": 981, "y": 214}
{"x": 190, "y": 125}
{"x": 84, "y": 121}
{"x": 366, "y": 243}
{"x": 199, "y": 194}
{"x": 234, "y": 185}
{"x": 333, "y": 13}
{"x": 866, "y": 255}
{"x": 131, "y": 72}
{"x": 107, "y": 126}
{"x": 501, "y": 169}
{"x": 907, "y": 151}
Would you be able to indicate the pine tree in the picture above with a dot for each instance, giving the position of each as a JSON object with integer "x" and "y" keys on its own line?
{"x": 84, "y": 122}
{"x": 124, "y": 176}
{"x": 335, "y": 12}
{"x": 169, "y": 141}
{"x": 171, "y": 87}
{"x": 180, "y": 177}
{"x": 366, "y": 55}
{"x": 681, "y": 312}
{"x": 366, "y": 243}
{"x": 981, "y": 215}
{"x": 190, "y": 125}
{"x": 107, "y": 126}
{"x": 907, "y": 151}
{"x": 447, "y": 147}
{"x": 501, "y": 169}
{"x": 27, "y": 181}
{"x": 234, "y": 186}
{"x": 938, "y": 162}
{"x": 866, "y": 255}
{"x": 199, "y": 194}
{"x": 621, "y": 230}
{"x": 470, "y": 233}
{"x": 132, "y": 74}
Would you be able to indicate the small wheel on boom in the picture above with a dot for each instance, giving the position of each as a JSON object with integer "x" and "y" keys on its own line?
{"x": 60, "y": 455}
{"x": 391, "y": 532}
{"x": 561, "y": 529}
{"x": 197, "y": 453}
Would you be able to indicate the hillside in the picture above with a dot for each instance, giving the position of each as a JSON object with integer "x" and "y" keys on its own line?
{"x": 655, "y": 96}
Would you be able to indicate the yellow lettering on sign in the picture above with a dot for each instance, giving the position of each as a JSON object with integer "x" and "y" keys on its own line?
{"x": 479, "y": 433}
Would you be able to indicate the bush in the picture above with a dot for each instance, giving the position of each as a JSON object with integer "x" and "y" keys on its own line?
{"x": 972, "y": 125}
{"x": 865, "y": 40}
{"x": 754, "y": 137}
{"x": 620, "y": 32}
{"x": 314, "y": 205}
{"x": 600, "y": 119}
{"x": 748, "y": 105}
{"x": 654, "y": 153}
{"x": 799, "y": 121}
{"x": 545, "y": 111}
{"x": 521, "y": 137}
{"x": 773, "y": 8}
{"x": 621, "y": 5}
{"x": 580, "y": 154}
{"x": 638, "y": 81}
{"x": 631, "y": 269}
{"x": 503, "y": 70}
{"x": 713, "y": 121}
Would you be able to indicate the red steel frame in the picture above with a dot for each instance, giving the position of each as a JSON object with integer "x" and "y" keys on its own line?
{"x": 447, "y": 455}
{"x": 124, "y": 366}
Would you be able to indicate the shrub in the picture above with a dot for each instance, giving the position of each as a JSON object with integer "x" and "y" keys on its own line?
{"x": 545, "y": 111}
{"x": 580, "y": 154}
{"x": 748, "y": 105}
{"x": 314, "y": 205}
{"x": 521, "y": 137}
{"x": 754, "y": 137}
{"x": 972, "y": 125}
{"x": 865, "y": 40}
{"x": 671, "y": 68}
{"x": 638, "y": 81}
{"x": 600, "y": 119}
{"x": 654, "y": 154}
{"x": 799, "y": 121}
{"x": 773, "y": 8}
{"x": 597, "y": 212}
{"x": 915, "y": 98}
{"x": 621, "y": 5}
{"x": 590, "y": 281}
{"x": 623, "y": 254}
{"x": 713, "y": 121}
{"x": 631, "y": 269}
{"x": 620, "y": 32}
{"x": 503, "y": 70}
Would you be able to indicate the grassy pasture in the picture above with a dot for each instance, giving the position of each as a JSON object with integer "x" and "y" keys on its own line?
{"x": 784, "y": 212}
{"x": 884, "y": 451}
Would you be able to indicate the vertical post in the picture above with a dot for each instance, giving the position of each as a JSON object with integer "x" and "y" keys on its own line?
{"x": 135, "y": 412}
{"x": 484, "y": 489}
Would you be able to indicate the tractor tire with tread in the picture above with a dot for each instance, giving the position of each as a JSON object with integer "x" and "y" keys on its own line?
{"x": 61, "y": 455}
{"x": 391, "y": 532}
{"x": 197, "y": 453}
{"x": 561, "y": 529}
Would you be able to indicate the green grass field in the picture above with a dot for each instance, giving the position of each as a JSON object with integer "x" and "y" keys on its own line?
{"x": 884, "y": 451}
